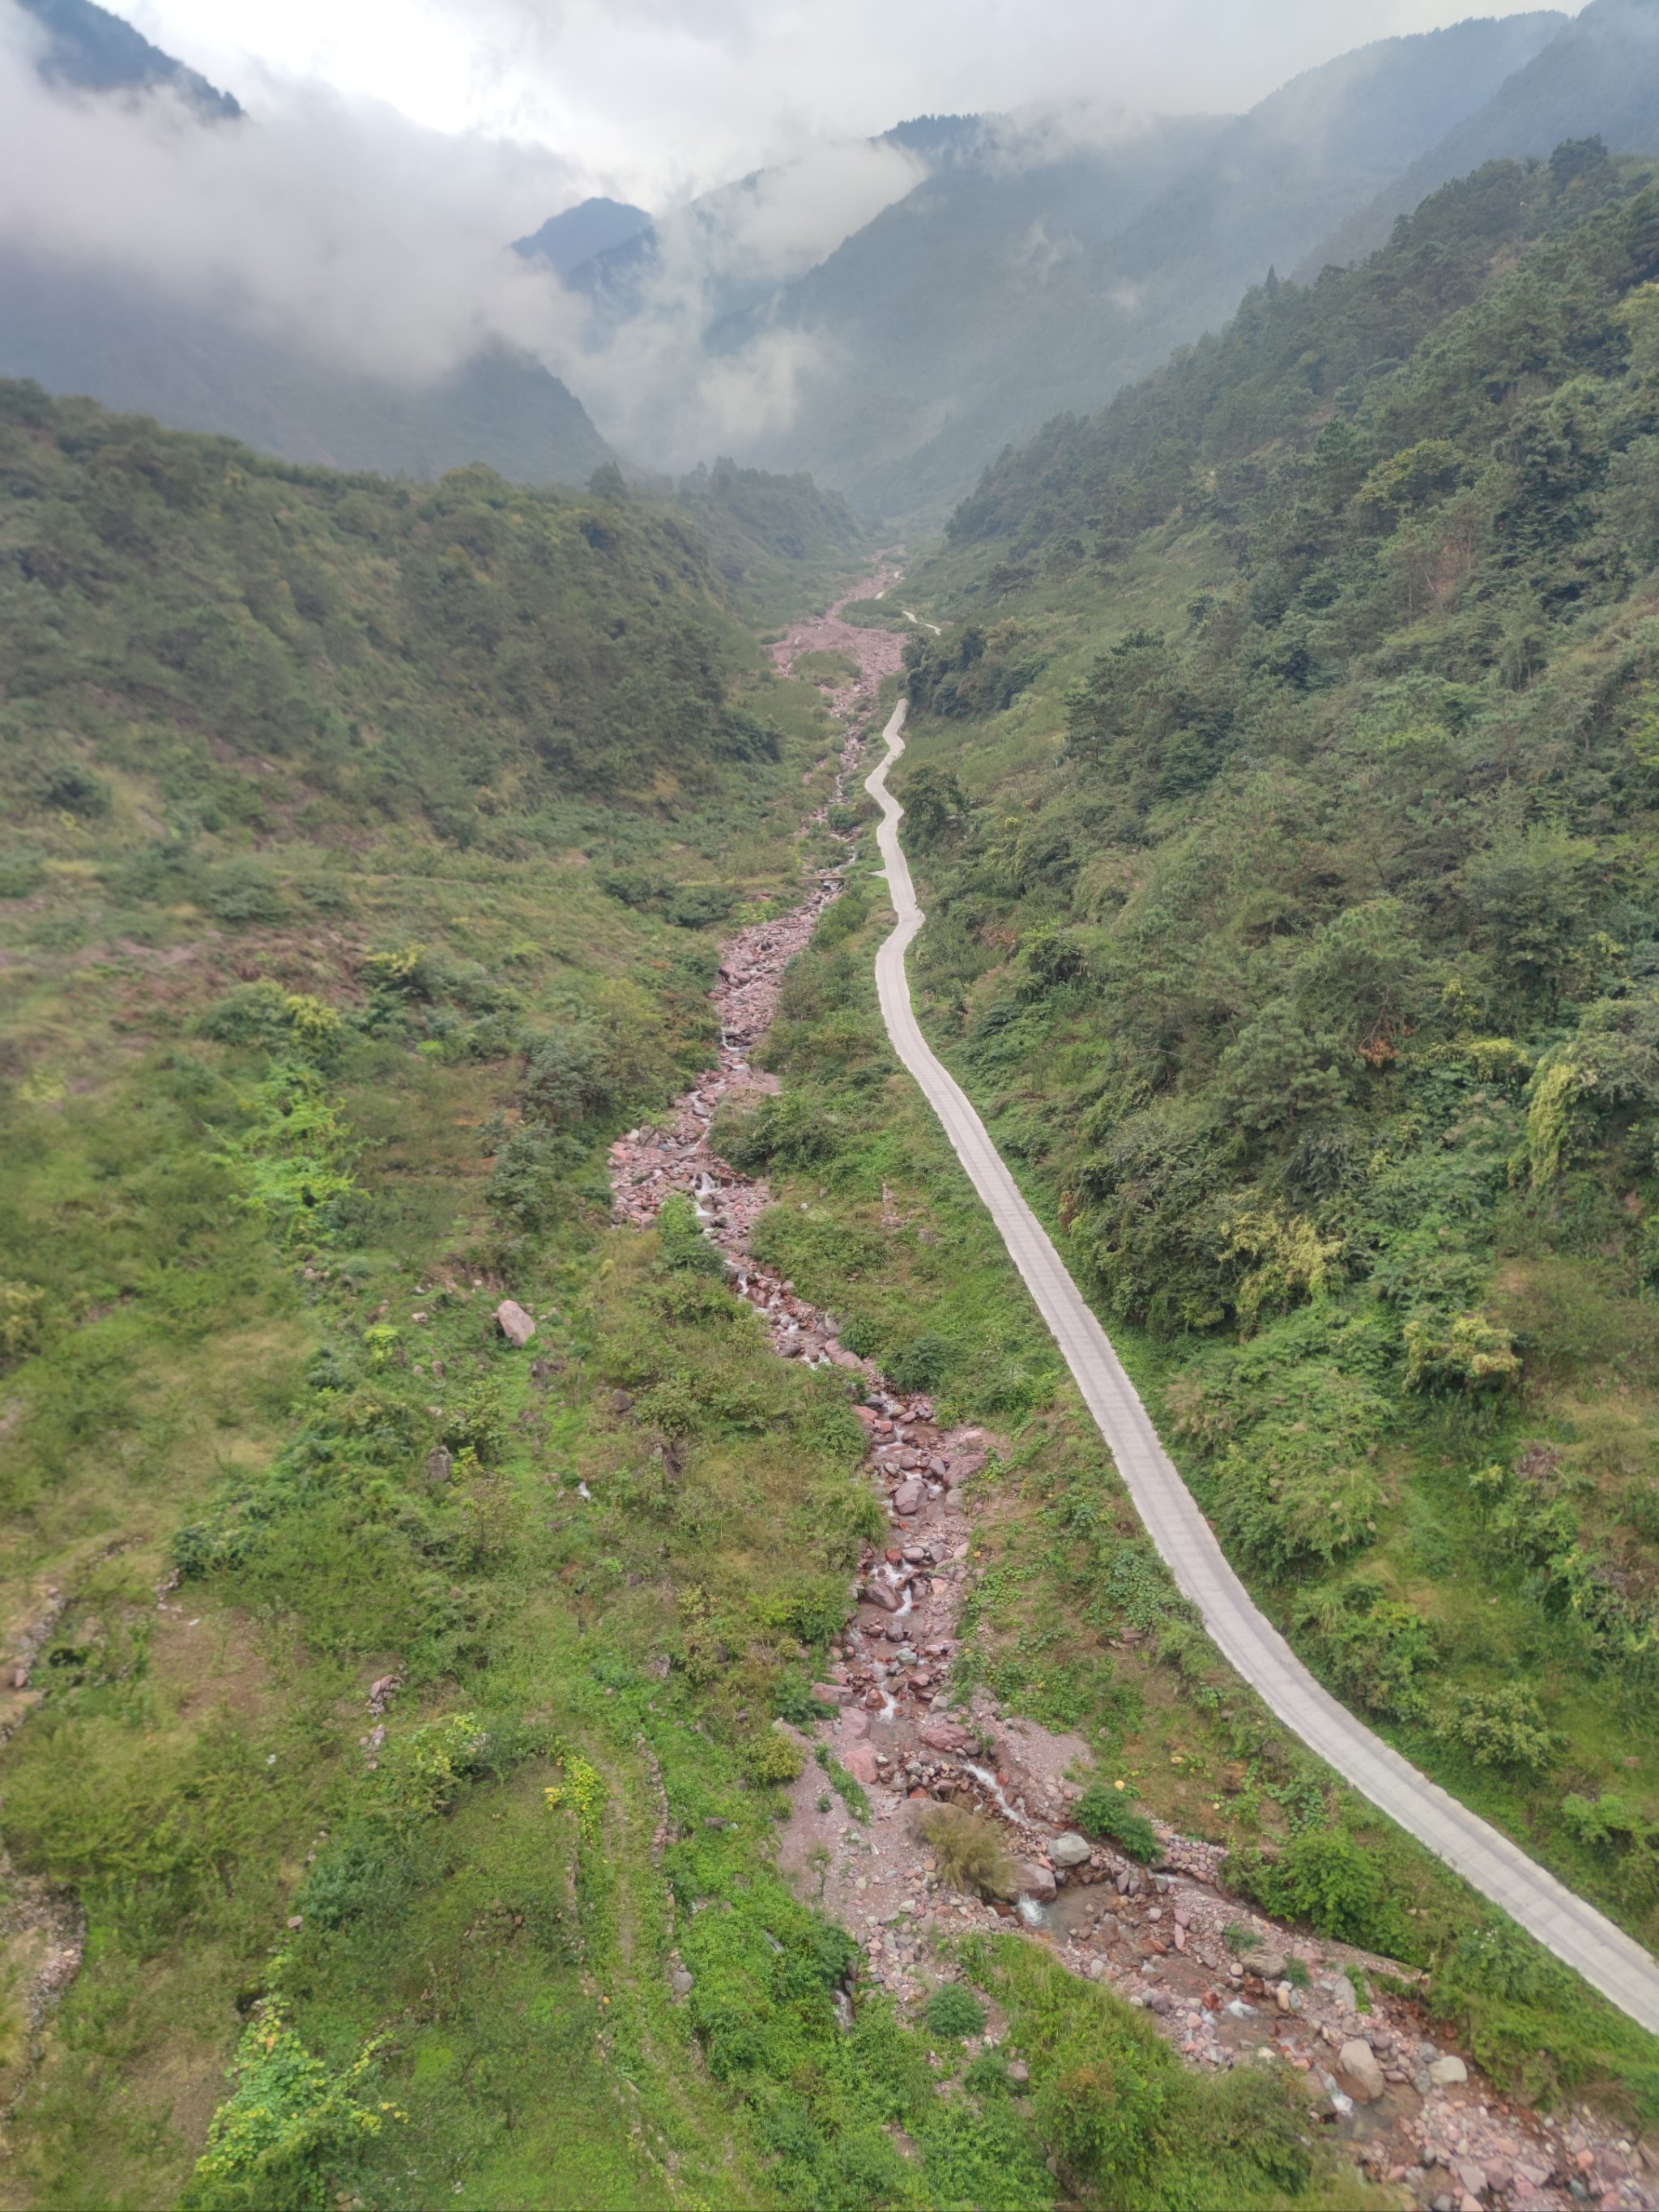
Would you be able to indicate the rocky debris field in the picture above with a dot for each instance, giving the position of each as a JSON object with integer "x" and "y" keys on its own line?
{"x": 1224, "y": 1984}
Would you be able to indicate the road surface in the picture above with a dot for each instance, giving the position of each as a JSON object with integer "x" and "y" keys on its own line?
{"x": 1574, "y": 1931}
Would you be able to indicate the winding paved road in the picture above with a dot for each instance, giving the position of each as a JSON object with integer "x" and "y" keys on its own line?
{"x": 1575, "y": 1931}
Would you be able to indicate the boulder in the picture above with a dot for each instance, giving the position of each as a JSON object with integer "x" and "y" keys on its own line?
{"x": 513, "y": 1322}
{"x": 883, "y": 1594}
{"x": 439, "y": 1465}
{"x": 1032, "y": 1879}
{"x": 1270, "y": 1965}
{"x": 909, "y": 1497}
{"x": 1446, "y": 2073}
{"x": 681, "y": 1983}
{"x": 861, "y": 1763}
{"x": 832, "y": 1693}
{"x": 1359, "y": 2072}
{"x": 1069, "y": 1850}
{"x": 945, "y": 1736}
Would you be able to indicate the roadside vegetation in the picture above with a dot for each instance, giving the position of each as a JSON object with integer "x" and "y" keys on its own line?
{"x": 1282, "y": 792}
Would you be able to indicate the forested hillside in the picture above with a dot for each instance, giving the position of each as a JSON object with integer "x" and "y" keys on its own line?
{"x": 1285, "y": 796}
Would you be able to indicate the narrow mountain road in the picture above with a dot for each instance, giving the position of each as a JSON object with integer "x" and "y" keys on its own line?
{"x": 1574, "y": 1931}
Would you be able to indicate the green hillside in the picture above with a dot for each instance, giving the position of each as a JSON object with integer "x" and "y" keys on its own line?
{"x": 1283, "y": 792}
{"x": 389, "y": 1711}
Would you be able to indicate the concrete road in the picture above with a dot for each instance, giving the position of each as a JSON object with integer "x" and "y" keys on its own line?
{"x": 1575, "y": 1931}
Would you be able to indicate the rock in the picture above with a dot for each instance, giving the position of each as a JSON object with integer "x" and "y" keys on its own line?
{"x": 1270, "y": 1965}
{"x": 513, "y": 1322}
{"x": 883, "y": 1594}
{"x": 681, "y": 1982}
{"x": 854, "y": 1724}
{"x": 1069, "y": 1850}
{"x": 1446, "y": 2073}
{"x": 1032, "y": 1879}
{"x": 1359, "y": 2072}
{"x": 381, "y": 1693}
{"x": 832, "y": 1693}
{"x": 945, "y": 1736}
{"x": 909, "y": 1496}
{"x": 1018, "y": 2070}
{"x": 439, "y": 1465}
{"x": 1284, "y": 1996}
{"x": 861, "y": 1763}
{"x": 1471, "y": 2178}
{"x": 1500, "y": 2175}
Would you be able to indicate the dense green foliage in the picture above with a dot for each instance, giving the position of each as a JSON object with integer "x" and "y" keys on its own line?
{"x": 776, "y": 540}
{"x": 1298, "y": 928}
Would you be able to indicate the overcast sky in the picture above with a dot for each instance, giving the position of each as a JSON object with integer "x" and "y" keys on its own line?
{"x": 652, "y": 99}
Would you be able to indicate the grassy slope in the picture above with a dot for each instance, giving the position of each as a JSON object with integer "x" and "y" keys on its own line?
{"x": 338, "y": 937}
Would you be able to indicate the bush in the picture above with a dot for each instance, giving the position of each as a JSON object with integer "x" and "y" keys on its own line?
{"x": 1322, "y": 1877}
{"x": 1501, "y": 1728}
{"x": 921, "y": 1364}
{"x": 288, "y": 2125}
{"x": 1107, "y": 1816}
{"x": 682, "y": 1241}
{"x": 970, "y": 1851}
{"x": 66, "y": 787}
{"x": 21, "y": 870}
{"x": 776, "y": 1758}
{"x": 21, "y": 1306}
{"x": 955, "y": 2012}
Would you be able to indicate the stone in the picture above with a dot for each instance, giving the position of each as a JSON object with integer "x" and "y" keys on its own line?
{"x": 1471, "y": 2178}
{"x": 1446, "y": 2073}
{"x": 513, "y": 1322}
{"x": 941, "y": 1735}
{"x": 909, "y": 1496}
{"x": 832, "y": 1693}
{"x": 861, "y": 1763}
{"x": 1359, "y": 2072}
{"x": 1069, "y": 1850}
{"x": 439, "y": 1465}
{"x": 1270, "y": 1965}
{"x": 854, "y": 1724}
{"x": 1018, "y": 2070}
{"x": 883, "y": 1594}
{"x": 1033, "y": 1879}
{"x": 681, "y": 1982}
{"x": 1500, "y": 2175}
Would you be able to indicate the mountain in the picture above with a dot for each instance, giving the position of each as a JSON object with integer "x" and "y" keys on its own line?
{"x": 1044, "y": 260}
{"x": 130, "y": 346}
{"x": 1598, "y": 77}
{"x": 131, "y": 343}
{"x": 96, "y": 51}
{"x": 594, "y": 226}
{"x": 988, "y": 300}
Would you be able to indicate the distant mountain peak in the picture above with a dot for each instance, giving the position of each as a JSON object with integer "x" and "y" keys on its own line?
{"x": 592, "y": 225}
{"x": 96, "y": 51}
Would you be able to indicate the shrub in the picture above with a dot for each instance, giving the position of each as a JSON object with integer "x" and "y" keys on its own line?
{"x": 21, "y": 870}
{"x": 683, "y": 1242}
{"x": 776, "y": 1758}
{"x": 921, "y": 1364}
{"x": 1501, "y": 1728}
{"x": 66, "y": 787}
{"x": 970, "y": 1849}
{"x": 955, "y": 2012}
{"x": 285, "y": 2127}
{"x": 244, "y": 892}
{"x": 1322, "y": 1877}
{"x": 20, "y": 1305}
{"x": 1107, "y": 1816}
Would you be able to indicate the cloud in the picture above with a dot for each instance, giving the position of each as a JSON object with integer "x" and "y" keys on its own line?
{"x": 337, "y": 223}
{"x": 655, "y": 100}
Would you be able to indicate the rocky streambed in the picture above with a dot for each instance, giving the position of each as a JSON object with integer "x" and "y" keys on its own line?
{"x": 1224, "y": 1984}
